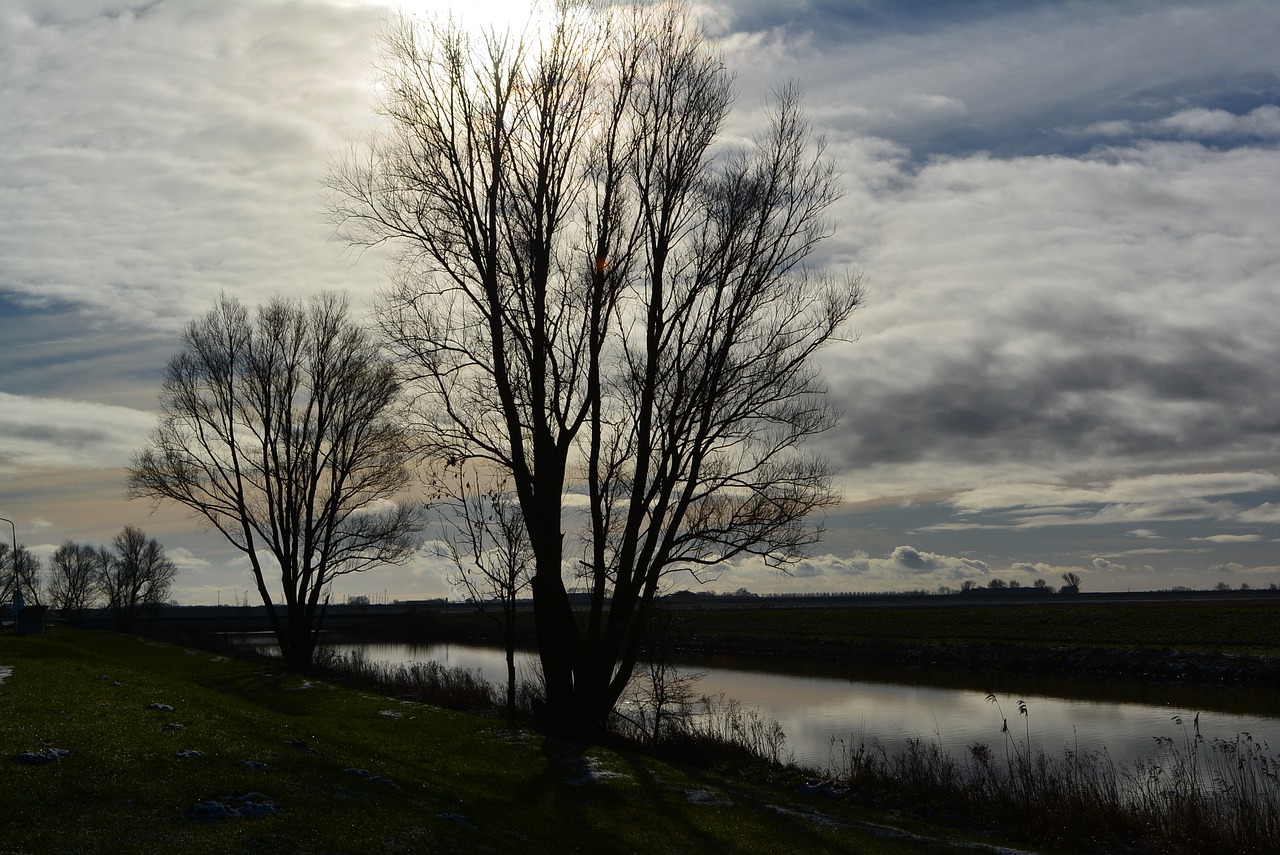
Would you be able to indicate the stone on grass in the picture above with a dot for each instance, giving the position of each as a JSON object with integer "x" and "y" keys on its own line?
{"x": 301, "y": 745}
{"x": 458, "y": 819}
{"x": 189, "y": 754}
{"x": 822, "y": 788}
{"x": 159, "y": 706}
{"x": 246, "y": 806}
{"x": 43, "y": 757}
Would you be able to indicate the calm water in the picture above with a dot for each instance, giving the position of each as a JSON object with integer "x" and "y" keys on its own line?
{"x": 814, "y": 709}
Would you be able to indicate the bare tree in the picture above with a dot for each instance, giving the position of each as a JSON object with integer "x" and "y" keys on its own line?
{"x": 597, "y": 298}
{"x": 7, "y": 575}
{"x": 493, "y": 562}
{"x": 134, "y": 574}
{"x": 282, "y": 433}
{"x": 72, "y": 576}
{"x": 1071, "y": 583}
{"x": 663, "y": 693}
{"x": 20, "y": 574}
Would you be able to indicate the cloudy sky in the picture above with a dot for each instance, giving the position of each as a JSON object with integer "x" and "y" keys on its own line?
{"x": 1066, "y": 213}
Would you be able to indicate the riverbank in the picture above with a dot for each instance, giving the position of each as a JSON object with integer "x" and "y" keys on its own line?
{"x": 122, "y": 744}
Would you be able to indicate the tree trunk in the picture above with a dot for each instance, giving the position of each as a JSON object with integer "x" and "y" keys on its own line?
{"x": 558, "y": 651}
{"x": 301, "y": 641}
{"x": 511, "y": 679}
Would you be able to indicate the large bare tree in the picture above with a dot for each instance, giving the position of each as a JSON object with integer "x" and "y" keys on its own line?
{"x": 133, "y": 575}
{"x": 598, "y": 296}
{"x": 282, "y": 432}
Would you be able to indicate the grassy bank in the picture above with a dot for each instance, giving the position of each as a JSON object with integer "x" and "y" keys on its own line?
{"x": 157, "y": 745}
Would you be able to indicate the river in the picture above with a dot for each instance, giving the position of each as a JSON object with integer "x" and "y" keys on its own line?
{"x": 820, "y": 704}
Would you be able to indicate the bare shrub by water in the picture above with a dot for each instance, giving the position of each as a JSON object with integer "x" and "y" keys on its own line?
{"x": 1191, "y": 796}
{"x": 428, "y": 682}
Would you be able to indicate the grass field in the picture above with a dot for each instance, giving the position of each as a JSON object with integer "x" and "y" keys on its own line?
{"x": 331, "y": 769}
{"x": 1200, "y": 627}
{"x": 1239, "y": 627}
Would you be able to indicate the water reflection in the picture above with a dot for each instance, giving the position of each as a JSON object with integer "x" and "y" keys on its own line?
{"x": 817, "y": 703}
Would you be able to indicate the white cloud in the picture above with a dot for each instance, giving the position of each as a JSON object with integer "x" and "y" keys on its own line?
{"x": 56, "y": 433}
{"x": 1199, "y": 123}
{"x": 904, "y": 568}
{"x": 1112, "y": 128}
{"x": 1268, "y": 513}
{"x": 934, "y": 104}
{"x": 162, "y": 154}
{"x": 1139, "y": 497}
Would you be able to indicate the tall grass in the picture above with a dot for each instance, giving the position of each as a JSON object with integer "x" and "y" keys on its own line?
{"x": 428, "y": 682}
{"x": 1191, "y": 796}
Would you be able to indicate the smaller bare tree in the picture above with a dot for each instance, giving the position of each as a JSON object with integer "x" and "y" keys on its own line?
{"x": 72, "y": 573}
{"x": 20, "y": 576}
{"x": 138, "y": 575}
{"x": 280, "y": 430}
{"x": 493, "y": 561}
{"x": 1071, "y": 582}
{"x": 663, "y": 692}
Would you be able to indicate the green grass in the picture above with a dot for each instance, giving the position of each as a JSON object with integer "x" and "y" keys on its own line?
{"x": 450, "y": 782}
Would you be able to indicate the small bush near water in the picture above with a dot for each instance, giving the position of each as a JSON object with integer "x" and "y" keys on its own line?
{"x": 713, "y": 730}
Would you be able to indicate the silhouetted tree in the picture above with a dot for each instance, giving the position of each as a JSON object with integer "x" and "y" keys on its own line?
{"x": 133, "y": 575}
{"x": 22, "y": 574}
{"x": 596, "y": 298}
{"x": 1070, "y": 583}
{"x": 282, "y": 433}
{"x": 73, "y": 571}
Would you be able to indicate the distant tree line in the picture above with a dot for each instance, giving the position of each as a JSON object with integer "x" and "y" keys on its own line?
{"x": 127, "y": 577}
